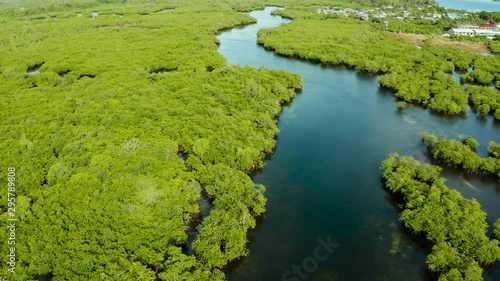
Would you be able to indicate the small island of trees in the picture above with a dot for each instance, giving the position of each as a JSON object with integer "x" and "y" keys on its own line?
{"x": 462, "y": 154}
{"x": 454, "y": 225}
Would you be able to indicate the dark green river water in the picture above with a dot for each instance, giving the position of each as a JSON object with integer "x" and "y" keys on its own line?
{"x": 324, "y": 183}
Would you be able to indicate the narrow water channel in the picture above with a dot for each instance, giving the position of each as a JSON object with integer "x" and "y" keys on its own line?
{"x": 323, "y": 181}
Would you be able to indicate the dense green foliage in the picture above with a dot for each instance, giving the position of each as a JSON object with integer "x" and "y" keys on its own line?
{"x": 94, "y": 113}
{"x": 494, "y": 46}
{"x": 486, "y": 99}
{"x": 496, "y": 227}
{"x": 419, "y": 76}
{"x": 418, "y": 26}
{"x": 456, "y": 226}
{"x": 462, "y": 154}
{"x": 64, "y": 7}
{"x": 494, "y": 149}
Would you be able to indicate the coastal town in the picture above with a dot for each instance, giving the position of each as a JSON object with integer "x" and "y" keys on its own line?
{"x": 433, "y": 14}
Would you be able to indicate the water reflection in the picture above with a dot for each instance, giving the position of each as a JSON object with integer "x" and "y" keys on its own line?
{"x": 324, "y": 178}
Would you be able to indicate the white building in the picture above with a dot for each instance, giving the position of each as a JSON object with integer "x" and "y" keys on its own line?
{"x": 472, "y": 32}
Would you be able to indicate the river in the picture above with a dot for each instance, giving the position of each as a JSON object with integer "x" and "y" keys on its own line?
{"x": 471, "y": 5}
{"x": 324, "y": 181}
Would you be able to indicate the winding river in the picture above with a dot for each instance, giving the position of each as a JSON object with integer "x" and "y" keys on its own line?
{"x": 324, "y": 182}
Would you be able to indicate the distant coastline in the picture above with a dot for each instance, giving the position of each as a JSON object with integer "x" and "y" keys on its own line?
{"x": 471, "y": 5}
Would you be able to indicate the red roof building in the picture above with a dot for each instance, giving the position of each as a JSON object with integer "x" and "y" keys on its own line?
{"x": 487, "y": 26}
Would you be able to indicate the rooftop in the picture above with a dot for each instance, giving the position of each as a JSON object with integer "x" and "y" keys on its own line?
{"x": 489, "y": 25}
